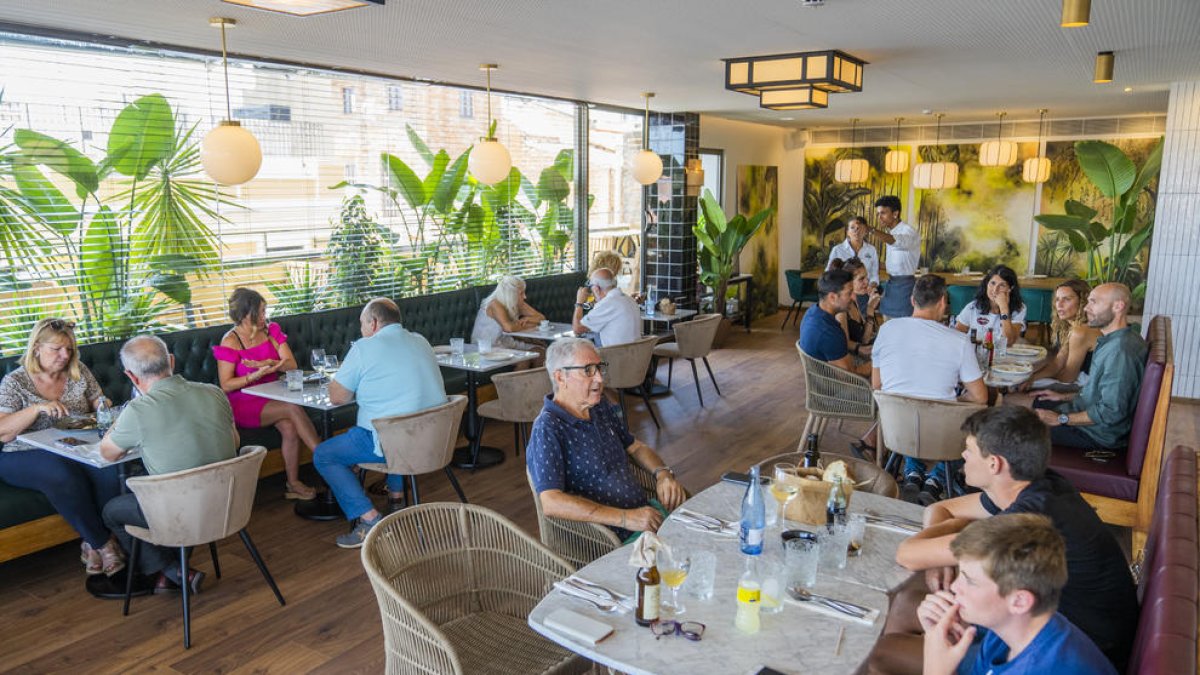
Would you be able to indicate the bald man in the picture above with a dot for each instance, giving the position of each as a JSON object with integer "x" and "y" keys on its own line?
{"x": 1101, "y": 415}
{"x": 615, "y": 318}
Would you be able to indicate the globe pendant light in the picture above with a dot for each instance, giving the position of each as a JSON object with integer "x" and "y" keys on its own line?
{"x": 1037, "y": 169}
{"x": 647, "y": 165}
{"x": 489, "y": 162}
{"x": 935, "y": 175}
{"x": 851, "y": 171}
{"x": 998, "y": 152}
{"x": 896, "y": 161}
{"x": 229, "y": 153}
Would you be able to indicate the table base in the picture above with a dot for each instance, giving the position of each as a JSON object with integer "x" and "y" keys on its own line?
{"x": 324, "y": 507}
{"x": 113, "y": 588}
{"x": 488, "y": 457}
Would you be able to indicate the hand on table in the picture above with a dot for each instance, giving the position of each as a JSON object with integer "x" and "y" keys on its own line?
{"x": 1046, "y": 394}
{"x": 643, "y": 519}
{"x": 53, "y": 409}
{"x": 256, "y": 375}
{"x": 670, "y": 492}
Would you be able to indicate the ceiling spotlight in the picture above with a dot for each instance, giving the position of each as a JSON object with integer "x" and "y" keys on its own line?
{"x": 1128, "y": 89}
{"x": 1075, "y": 13}
{"x": 1104, "y": 68}
{"x": 812, "y": 3}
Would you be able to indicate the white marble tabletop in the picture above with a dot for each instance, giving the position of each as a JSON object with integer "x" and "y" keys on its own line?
{"x": 311, "y": 396}
{"x": 471, "y": 360}
{"x": 50, "y": 440}
{"x": 792, "y": 641}
{"x": 553, "y": 332}
{"x": 679, "y": 315}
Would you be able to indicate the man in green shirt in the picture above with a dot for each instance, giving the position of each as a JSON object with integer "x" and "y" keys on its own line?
{"x": 179, "y": 425}
{"x": 1101, "y": 415}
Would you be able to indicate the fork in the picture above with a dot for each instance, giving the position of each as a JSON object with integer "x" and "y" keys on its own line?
{"x": 585, "y": 585}
{"x": 836, "y": 605}
{"x": 581, "y": 594}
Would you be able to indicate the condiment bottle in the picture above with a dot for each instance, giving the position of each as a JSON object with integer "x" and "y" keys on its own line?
{"x": 754, "y": 516}
{"x": 990, "y": 345}
{"x": 648, "y": 587}
{"x": 749, "y": 593}
{"x": 812, "y": 456}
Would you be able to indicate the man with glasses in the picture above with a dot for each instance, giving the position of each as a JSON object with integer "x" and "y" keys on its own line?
{"x": 579, "y": 451}
{"x": 614, "y": 318}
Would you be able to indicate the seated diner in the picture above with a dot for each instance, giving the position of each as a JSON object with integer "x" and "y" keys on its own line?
{"x": 997, "y": 307}
{"x": 1073, "y": 341}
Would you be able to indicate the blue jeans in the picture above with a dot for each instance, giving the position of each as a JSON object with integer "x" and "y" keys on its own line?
{"x": 333, "y": 459}
{"x": 77, "y": 491}
{"x": 917, "y": 466}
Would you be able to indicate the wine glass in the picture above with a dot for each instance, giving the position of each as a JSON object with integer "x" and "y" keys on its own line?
{"x": 318, "y": 361}
{"x": 673, "y": 566}
{"x": 784, "y": 488}
{"x": 331, "y": 365}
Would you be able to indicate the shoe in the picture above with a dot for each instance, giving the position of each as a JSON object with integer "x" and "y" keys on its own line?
{"x": 355, "y": 537}
{"x": 90, "y": 557}
{"x": 911, "y": 487}
{"x": 298, "y": 491}
{"x": 112, "y": 558}
{"x": 931, "y": 492}
{"x": 165, "y": 584}
{"x": 862, "y": 451}
{"x": 394, "y": 505}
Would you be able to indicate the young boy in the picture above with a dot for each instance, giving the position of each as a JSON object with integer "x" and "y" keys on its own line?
{"x": 1011, "y": 572}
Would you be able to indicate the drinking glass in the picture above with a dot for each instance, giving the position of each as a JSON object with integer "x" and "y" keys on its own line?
{"x": 835, "y": 542}
{"x": 673, "y": 566}
{"x": 857, "y": 525}
{"x": 456, "y": 346}
{"x": 331, "y": 365}
{"x": 318, "y": 362}
{"x": 784, "y": 488}
{"x": 801, "y": 555}
{"x": 485, "y": 345}
{"x": 294, "y": 379}
{"x": 702, "y": 575}
{"x": 772, "y": 576}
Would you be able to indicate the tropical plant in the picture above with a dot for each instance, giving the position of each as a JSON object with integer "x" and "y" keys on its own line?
{"x": 1054, "y": 255}
{"x": 720, "y": 242}
{"x": 356, "y": 251}
{"x": 1113, "y": 249}
{"x": 301, "y": 291}
{"x": 826, "y": 202}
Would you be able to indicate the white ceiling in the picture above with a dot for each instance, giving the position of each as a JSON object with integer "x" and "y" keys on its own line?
{"x": 969, "y": 58}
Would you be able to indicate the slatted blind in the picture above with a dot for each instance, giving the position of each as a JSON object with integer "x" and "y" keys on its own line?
{"x": 103, "y": 254}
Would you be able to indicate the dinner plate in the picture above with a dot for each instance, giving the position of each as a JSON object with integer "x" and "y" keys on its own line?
{"x": 443, "y": 349}
{"x": 76, "y": 423}
{"x": 497, "y": 355}
{"x": 1026, "y": 351}
{"x": 1012, "y": 369}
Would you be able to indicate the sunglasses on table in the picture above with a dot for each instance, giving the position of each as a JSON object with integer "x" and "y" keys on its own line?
{"x": 692, "y": 630}
{"x": 590, "y": 369}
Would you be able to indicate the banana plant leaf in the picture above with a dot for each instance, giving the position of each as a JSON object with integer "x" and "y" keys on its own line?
{"x": 406, "y": 182}
{"x": 1109, "y": 169}
{"x": 41, "y": 195}
{"x": 142, "y": 135}
{"x": 61, "y": 158}
{"x": 419, "y": 144}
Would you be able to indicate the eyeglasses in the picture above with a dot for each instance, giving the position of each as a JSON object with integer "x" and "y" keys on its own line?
{"x": 590, "y": 369}
{"x": 692, "y": 630}
{"x": 61, "y": 324}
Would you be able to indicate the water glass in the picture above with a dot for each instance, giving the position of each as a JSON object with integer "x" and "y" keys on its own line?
{"x": 1001, "y": 341}
{"x": 858, "y": 530}
{"x": 544, "y": 325}
{"x": 318, "y": 359}
{"x": 774, "y": 579}
{"x": 294, "y": 379}
{"x": 801, "y": 556}
{"x": 456, "y": 346}
{"x": 702, "y": 576}
{"x": 835, "y": 541}
{"x": 485, "y": 345}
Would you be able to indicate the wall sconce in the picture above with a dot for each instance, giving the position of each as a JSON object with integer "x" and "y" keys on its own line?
{"x": 695, "y": 176}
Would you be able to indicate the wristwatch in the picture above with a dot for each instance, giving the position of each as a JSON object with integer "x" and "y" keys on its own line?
{"x": 663, "y": 468}
{"x": 1064, "y": 419}
{"x": 1004, "y": 317}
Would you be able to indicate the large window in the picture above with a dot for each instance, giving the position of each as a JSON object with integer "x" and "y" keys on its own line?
{"x": 345, "y": 206}
{"x": 615, "y": 218}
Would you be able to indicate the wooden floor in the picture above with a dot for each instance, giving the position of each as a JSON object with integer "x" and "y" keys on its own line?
{"x": 49, "y": 624}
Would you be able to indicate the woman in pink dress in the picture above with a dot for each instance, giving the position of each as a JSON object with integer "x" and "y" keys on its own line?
{"x": 253, "y": 352}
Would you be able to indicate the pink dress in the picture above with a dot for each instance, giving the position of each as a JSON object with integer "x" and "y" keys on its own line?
{"x": 247, "y": 408}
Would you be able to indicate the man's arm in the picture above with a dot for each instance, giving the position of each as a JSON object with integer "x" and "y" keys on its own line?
{"x": 110, "y": 450}
{"x": 846, "y": 363}
{"x": 876, "y": 379}
{"x": 670, "y": 492}
{"x": 559, "y": 504}
{"x": 339, "y": 395}
{"x": 975, "y": 392}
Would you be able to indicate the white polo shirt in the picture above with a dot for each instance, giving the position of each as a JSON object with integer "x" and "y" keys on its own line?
{"x": 867, "y": 254}
{"x": 904, "y": 256}
{"x": 971, "y": 318}
{"x": 919, "y": 357}
{"x": 615, "y": 318}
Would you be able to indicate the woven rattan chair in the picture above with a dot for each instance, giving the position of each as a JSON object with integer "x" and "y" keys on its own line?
{"x": 195, "y": 507}
{"x": 833, "y": 393}
{"x": 923, "y": 428}
{"x": 693, "y": 340}
{"x": 420, "y": 442}
{"x": 455, "y": 584}
{"x": 627, "y": 367}
{"x": 519, "y": 398}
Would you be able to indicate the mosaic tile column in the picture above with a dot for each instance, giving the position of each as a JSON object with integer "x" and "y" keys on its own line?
{"x": 668, "y": 244}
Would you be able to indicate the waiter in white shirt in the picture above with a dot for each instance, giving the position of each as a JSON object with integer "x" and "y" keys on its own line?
{"x": 903, "y": 256}
{"x": 615, "y": 318}
{"x": 856, "y": 246}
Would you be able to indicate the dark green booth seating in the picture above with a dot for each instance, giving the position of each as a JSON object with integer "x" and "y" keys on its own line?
{"x": 28, "y": 522}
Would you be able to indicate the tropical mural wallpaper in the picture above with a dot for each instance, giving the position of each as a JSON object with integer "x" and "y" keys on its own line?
{"x": 758, "y": 189}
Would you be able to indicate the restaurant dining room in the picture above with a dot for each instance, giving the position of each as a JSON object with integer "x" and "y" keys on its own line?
{"x": 339, "y": 336}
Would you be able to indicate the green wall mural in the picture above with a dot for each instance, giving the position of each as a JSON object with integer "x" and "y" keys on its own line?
{"x": 758, "y": 189}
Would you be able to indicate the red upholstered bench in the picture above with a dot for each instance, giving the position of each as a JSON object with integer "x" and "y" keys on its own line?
{"x": 1122, "y": 489}
{"x": 1166, "y": 639}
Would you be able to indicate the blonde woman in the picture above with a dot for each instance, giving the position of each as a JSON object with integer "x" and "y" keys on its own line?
{"x": 506, "y": 311}
{"x": 1074, "y": 341}
{"x": 608, "y": 260}
{"x": 50, "y": 385}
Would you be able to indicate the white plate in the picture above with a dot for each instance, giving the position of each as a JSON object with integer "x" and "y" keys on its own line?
{"x": 443, "y": 349}
{"x": 497, "y": 355}
{"x": 1026, "y": 352}
{"x": 1012, "y": 369}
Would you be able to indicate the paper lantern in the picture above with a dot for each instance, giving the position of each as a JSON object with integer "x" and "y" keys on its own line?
{"x": 850, "y": 171}
{"x": 998, "y": 153}
{"x": 1036, "y": 170}
{"x": 895, "y": 161}
{"x": 935, "y": 175}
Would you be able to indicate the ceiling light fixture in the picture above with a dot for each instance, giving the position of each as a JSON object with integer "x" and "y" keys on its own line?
{"x": 694, "y": 176}
{"x": 830, "y": 70}
{"x": 1076, "y": 13}
{"x": 229, "y": 153}
{"x": 1104, "y": 68}
{"x": 647, "y": 165}
{"x": 489, "y": 162}
{"x": 800, "y": 98}
{"x": 854, "y": 170}
{"x": 304, "y": 7}
{"x": 896, "y": 161}
{"x": 1037, "y": 169}
{"x": 935, "y": 175}
{"x": 998, "y": 152}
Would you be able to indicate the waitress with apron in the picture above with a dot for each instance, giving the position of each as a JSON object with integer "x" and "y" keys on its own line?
{"x": 903, "y": 256}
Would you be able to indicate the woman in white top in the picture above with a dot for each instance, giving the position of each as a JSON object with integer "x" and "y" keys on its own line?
{"x": 997, "y": 305}
{"x": 505, "y": 311}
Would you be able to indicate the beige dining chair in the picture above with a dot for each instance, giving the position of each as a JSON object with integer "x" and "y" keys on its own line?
{"x": 627, "y": 368}
{"x": 520, "y": 396}
{"x": 833, "y": 393}
{"x": 923, "y": 428}
{"x": 693, "y": 340}
{"x": 455, "y": 585}
{"x": 195, "y": 507}
{"x": 867, "y": 476}
{"x": 420, "y": 443}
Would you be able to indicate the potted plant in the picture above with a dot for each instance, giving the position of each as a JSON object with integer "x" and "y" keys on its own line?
{"x": 720, "y": 241}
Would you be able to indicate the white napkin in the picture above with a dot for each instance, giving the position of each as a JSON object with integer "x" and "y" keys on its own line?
{"x": 814, "y": 606}
{"x": 575, "y": 625}
{"x": 622, "y": 601}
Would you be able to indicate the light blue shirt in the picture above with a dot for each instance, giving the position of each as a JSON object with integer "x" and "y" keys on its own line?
{"x": 393, "y": 372}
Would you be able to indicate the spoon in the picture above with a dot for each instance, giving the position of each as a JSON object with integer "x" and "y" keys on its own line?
{"x": 837, "y": 605}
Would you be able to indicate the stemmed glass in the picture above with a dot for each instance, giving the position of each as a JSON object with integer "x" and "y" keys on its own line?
{"x": 673, "y": 566}
{"x": 784, "y": 488}
{"x": 318, "y": 361}
{"x": 331, "y": 365}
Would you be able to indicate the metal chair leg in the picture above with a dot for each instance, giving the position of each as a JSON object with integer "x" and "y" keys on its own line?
{"x": 130, "y": 570}
{"x": 187, "y": 597}
{"x": 262, "y": 566}
{"x": 710, "y": 375}
{"x": 650, "y": 408}
{"x": 696, "y": 378}
{"x": 212, "y": 551}
{"x": 788, "y": 316}
{"x": 670, "y": 371}
{"x": 413, "y": 482}
{"x": 516, "y": 438}
{"x": 462, "y": 497}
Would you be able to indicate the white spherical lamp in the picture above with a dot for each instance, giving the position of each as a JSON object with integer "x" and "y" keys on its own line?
{"x": 647, "y": 167}
{"x": 230, "y": 154}
{"x": 489, "y": 162}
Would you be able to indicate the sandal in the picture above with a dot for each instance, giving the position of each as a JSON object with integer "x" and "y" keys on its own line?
{"x": 90, "y": 558}
{"x": 298, "y": 491}
{"x": 112, "y": 557}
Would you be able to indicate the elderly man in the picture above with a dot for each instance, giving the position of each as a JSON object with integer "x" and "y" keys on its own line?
{"x": 179, "y": 425}
{"x": 391, "y": 371}
{"x": 821, "y": 336}
{"x": 1101, "y": 415}
{"x": 579, "y": 451}
{"x": 856, "y": 246}
{"x": 615, "y": 318}
{"x": 903, "y": 256}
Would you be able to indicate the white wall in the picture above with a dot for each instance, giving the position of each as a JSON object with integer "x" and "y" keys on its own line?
{"x": 746, "y": 143}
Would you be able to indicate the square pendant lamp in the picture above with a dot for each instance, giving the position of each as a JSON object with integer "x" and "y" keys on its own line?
{"x": 801, "y": 98}
{"x": 830, "y": 70}
{"x": 304, "y": 7}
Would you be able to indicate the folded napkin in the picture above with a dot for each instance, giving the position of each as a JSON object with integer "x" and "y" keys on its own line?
{"x": 814, "y": 606}
{"x": 705, "y": 523}
{"x": 575, "y": 625}
{"x": 623, "y": 602}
